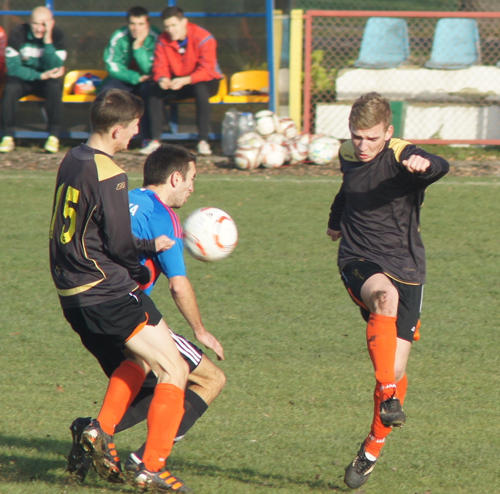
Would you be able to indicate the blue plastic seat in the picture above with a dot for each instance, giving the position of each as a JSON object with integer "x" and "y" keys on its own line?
{"x": 384, "y": 44}
{"x": 455, "y": 45}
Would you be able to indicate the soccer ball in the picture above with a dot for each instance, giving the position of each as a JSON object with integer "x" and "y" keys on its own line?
{"x": 323, "y": 149}
{"x": 272, "y": 155}
{"x": 250, "y": 140}
{"x": 210, "y": 234}
{"x": 266, "y": 122}
{"x": 287, "y": 127}
{"x": 299, "y": 148}
{"x": 247, "y": 158}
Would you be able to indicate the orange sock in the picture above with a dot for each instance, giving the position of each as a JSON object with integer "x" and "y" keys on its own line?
{"x": 124, "y": 384}
{"x": 376, "y": 439}
{"x": 164, "y": 417}
{"x": 401, "y": 387}
{"x": 381, "y": 335}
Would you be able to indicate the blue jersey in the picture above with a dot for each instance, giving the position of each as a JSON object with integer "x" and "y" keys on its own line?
{"x": 150, "y": 219}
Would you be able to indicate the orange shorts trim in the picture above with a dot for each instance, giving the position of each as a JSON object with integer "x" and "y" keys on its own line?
{"x": 138, "y": 328}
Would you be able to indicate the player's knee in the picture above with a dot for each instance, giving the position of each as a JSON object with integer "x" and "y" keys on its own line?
{"x": 175, "y": 374}
{"x": 385, "y": 301}
{"x": 218, "y": 380}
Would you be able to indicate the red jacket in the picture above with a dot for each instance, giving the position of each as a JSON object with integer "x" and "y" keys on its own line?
{"x": 199, "y": 60}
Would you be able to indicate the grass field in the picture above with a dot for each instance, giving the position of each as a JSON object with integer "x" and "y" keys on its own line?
{"x": 298, "y": 398}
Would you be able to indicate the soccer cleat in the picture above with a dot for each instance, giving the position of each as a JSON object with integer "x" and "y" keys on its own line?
{"x": 357, "y": 472}
{"x": 150, "y": 147}
{"x": 103, "y": 452}
{"x": 391, "y": 413}
{"x": 7, "y": 144}
{"x": 203, "y": 148}
{"x": 51, "y": 144}
{"x": 159, "y": 481}
{"x": 133, "y": 465}
{"x": 79, "y": 461}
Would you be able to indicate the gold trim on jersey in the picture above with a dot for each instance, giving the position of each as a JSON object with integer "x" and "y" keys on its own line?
{"x": 397, "y": 146}
{"x": 106, "y": 167}
{"x": 68, "y": 292}
{"x": 401, "y": 281}
{"x": 347, "y": 151}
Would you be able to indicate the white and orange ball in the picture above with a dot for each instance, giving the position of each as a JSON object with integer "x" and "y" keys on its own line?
{"x": 323, "y": 150}
{"x": 288, "y": 128}
{"x": 210, "y": 234}
{"x": 272, "y": 155}
{"x": 247, "y": 158}
{"x": 266, "y": 122}
{"x": 299, "y": 148}
{"x": 250, "y": 140}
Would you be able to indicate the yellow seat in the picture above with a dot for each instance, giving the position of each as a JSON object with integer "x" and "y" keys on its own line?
{"x": 248, "y": 86}
{"x": 69, "y": 82}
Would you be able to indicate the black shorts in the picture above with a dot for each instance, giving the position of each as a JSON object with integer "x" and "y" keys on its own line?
{"x": 355, "y": 273}
{"x": 104, "y": 328}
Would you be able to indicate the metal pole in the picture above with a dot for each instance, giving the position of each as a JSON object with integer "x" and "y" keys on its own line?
{"x": 270, "y": 53}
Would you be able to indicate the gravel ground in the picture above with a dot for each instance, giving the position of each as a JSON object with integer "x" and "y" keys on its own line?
{"x": 33, "y": 158}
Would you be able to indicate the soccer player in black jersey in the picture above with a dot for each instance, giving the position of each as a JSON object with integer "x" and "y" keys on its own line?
{"x": 95, "y": 268}
{"x": 381, "y": 258}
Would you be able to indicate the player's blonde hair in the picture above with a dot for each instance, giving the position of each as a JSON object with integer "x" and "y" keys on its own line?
{"x": 369, "y": 110}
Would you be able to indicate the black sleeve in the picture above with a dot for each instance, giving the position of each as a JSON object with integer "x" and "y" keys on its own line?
{"x": 336, "y": 210}
{"x": 145, "y": 245}
{"x": 439, "y": 166}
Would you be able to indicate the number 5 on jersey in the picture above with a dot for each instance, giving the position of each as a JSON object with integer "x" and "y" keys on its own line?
{"x": 68, "y": 212}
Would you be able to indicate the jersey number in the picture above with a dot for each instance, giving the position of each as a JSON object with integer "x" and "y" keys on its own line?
{"x": 69, "y": 213}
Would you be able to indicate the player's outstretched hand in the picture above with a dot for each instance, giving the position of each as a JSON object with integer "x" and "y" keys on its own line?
{"x": 210, "y": 341}
{"x": 163, "y": 243}
{"x": 333, "y": 234}
{"x": 416, "y": 164}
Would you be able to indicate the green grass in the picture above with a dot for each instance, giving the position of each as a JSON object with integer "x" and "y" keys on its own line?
{"x": 298, "y": 398}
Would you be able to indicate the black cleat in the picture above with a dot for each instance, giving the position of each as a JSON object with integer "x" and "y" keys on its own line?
{"x": 79, "y": 461}
{"x": 357, "y": 472}
{"x": 391, "y": 413}
{"x": 103, "y": 452}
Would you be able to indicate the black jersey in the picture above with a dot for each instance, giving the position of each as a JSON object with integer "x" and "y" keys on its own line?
{"x": 377, "y": 209}
{"x": 93, "y": 257}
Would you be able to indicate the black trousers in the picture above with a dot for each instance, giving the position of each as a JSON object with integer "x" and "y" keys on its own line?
{"x": 142, "y": 89}
{"x": 200, "y": 91}
{"x": 15, "y": 88}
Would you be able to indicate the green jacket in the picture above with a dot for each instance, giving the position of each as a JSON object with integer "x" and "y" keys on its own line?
{"x": 126, "y": 64}
{"x": 27, "y": 57}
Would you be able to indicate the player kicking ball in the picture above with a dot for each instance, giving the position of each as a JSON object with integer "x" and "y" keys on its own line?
{"x": 381, "y": 257}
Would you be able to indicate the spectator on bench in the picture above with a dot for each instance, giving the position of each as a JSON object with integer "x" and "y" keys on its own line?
{"x": 128, "y": 57}
{"x": 35, "y": 59}
{"x": 185, "y": 66}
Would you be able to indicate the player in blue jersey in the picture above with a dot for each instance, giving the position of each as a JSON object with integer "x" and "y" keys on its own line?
{"x": 169, "y": 174}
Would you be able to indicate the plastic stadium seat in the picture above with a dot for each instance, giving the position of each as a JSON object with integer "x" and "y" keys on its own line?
{"x": 69, "y": 81}
{"x": 384, "y": 44}
{"x": 249, "y": 86}
{"x": 455, "y": 45}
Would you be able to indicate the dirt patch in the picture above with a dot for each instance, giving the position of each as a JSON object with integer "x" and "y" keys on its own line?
{"x": 33, "y": 158}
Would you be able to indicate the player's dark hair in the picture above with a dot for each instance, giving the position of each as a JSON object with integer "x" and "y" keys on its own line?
{"x": 168, "y": 12}
{"x": 369, "y": 110}
{"x": 167, "y": 159}
{"x": 112, "y": 107}
{"x": 137, "y": 11}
